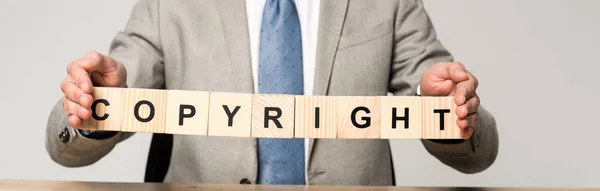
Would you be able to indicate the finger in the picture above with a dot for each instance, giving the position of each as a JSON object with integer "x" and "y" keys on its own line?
{"x": 463, "y": 92}
{"x": 469, "y": 121}
{"x": 74, "y": 121}
{"x": 75, "y": 94}
{"x": 471, "y": 106}
{"x": 462, "y": 123}
{"x": 90, "y": 63}
{"x": 73, "y": 108}
{"x": 456, "y": 72}
{"x": 80, "y": 77}
{"x": 472, "y": 119}
{"x": 466, "y": 90}
{"x": 70, "y": 107}
{"x": 65, "y": 106}
{"x": 466, "y": 133}
{"x": 474, "y": 79}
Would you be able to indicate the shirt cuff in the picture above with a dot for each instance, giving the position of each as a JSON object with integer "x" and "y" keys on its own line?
{"x": 91, "y": 134}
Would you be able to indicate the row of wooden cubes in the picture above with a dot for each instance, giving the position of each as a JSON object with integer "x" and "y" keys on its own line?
{"x": 272, "y": 115}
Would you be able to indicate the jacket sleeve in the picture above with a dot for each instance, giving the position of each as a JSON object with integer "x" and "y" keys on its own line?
{"x": 138, "y": 49}
{"x": 416, "y": 48}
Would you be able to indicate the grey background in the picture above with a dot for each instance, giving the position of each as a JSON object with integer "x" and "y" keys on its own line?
{"x": 536, "y": 61}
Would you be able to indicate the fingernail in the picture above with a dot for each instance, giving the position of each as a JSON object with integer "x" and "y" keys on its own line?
{"x": 87, "y": 61}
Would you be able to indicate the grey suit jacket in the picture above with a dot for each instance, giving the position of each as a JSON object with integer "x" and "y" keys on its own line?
{"x": 365, "y": 48}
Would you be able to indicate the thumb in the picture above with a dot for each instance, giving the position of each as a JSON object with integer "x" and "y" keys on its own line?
{"x": 452, "y": 71}
{"x": 440, "y": 79}
{"x": 436, "y": 87}
{"x": 96, "y": 62}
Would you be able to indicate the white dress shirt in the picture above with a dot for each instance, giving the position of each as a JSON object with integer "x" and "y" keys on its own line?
{"x": 308, "y": 13}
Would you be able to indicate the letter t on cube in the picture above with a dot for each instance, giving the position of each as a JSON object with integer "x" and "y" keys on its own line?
{"x": 440, "y": 118}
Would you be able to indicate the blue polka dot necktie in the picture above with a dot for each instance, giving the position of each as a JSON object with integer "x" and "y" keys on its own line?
{"x": 280, "y": 161}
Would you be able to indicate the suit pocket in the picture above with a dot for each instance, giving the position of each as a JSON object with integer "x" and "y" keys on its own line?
{"x": 353, "y": 37}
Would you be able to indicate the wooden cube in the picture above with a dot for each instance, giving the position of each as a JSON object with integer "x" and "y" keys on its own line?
{"x": 439, "y": 118}
{"x": 357, "y": 117}
{"x": 107, "y": 109}
{"x": 273, "y": 116}
{"x": 230, "y": 114}
{"x": 401, "y": 117}
{"x": 144, "y": 110}
{"x": 187, "y": 112}
{"x": 315, "y": 117}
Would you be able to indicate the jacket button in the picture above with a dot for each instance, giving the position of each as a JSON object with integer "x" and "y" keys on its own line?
{"x": 245, "y": 181}
{"x": 64, "y": 136}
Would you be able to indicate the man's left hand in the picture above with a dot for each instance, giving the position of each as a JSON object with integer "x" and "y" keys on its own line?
{"x": 452, "y": 79}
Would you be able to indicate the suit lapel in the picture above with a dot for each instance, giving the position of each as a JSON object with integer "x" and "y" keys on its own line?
{"x": 331, "y": 20}
{"x": 235, "y": 28}
{"x": 332, "y": 14}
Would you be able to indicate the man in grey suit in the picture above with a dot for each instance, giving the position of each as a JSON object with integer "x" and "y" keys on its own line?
{"x": 367, "y": 48}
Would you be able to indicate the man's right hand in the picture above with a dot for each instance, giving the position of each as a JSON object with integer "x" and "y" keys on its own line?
{"x": 94, "y": 69}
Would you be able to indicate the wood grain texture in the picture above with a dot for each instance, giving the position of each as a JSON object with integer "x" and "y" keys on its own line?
{"x": 344, "y": 114}
{"x": 114, "y": 110}
{"x": 132, "y": 97}
{"x": 190, "y": 102}
{"x": 218, "y": 121}
{"x": 45, "y": 185}
{"x": 431, "y": 120}
{"x": 285, "y": 103}
{"x": 415, "y": 117}
{"x": 305, "y": 120}
{"x": 334, "y": 121}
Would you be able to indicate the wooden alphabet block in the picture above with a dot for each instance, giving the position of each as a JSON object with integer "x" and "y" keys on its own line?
{"x": 357, "y": 117}
{"x": 273, "y": 116}
{"x": 315, "y": 117}
{"x": 107, "y": 109}
{"x": 187, "y": 112}
{"x": 144, "y": 110}
{"x": 440, "y": 118}
{"x": 401, "y": 117}
{"x": 230, "y": 114}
